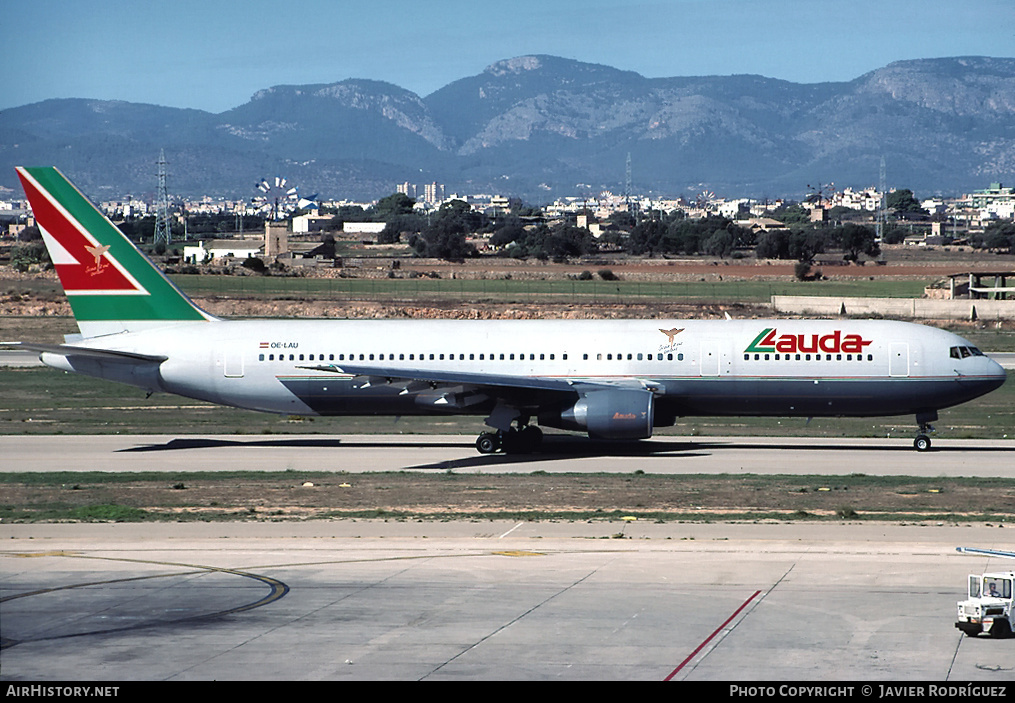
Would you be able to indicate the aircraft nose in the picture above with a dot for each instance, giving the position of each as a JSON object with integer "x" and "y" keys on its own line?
{"x": 996, "y": 371}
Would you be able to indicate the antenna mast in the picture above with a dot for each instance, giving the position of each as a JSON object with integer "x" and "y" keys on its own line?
{"x": 162, "y": 231}
{"x": 627, "y": 182}
{"x": 882, "y": 216}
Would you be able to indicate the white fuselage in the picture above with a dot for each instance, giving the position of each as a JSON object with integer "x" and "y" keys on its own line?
{"x": 725, "y": 367}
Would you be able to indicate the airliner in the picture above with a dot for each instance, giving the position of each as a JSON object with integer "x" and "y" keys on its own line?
{"x": 610, "y": 379}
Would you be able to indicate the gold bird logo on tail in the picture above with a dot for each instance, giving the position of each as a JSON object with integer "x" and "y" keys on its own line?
{"x": 97, "y": 251}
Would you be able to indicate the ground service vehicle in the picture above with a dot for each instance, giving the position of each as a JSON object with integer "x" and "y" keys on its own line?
{"x": 989, "y": 606}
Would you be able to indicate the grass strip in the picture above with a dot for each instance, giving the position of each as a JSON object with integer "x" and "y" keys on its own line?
{"x": 294, "y": 495}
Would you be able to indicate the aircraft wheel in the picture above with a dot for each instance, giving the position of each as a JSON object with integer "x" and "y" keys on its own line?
{"x": 487, "y": 443}
{"x": 922, "y": 443}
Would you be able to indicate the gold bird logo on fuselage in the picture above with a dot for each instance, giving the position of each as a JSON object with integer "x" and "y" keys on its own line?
{"x": 671, "y": 334}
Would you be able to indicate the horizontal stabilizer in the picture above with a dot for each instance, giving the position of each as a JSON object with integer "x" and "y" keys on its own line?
{"x": 102, "y": 354}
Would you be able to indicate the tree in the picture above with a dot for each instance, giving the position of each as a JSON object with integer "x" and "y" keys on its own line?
{"x": 567, "y": 241}
{"x": 559, "y": 243}
{"x": 622, "y": 218}
{"x": 721, "y": 235}
{"x": 855, "y": 240}
{"x": 999, "y": 237}
{"x": 463, "y": 214}
{"x": 399, "y": 224}
{"x": 773, "y": 245}
{"x": 805, "y": 244}
{"x": 720, "y": 243}
{"x": 32, "y": 233}
{"x": 682, "y": 237}
{"x": 802, "y": 270}
{"x": 255, "y": 264}
{"x": 444, "y": 237}
{"x": 903, "y": 201}
{"x": 646, "y": 238}
{"x": 794, "y": 214}
{"x": 441, "y": 243}
{"x": 392, "y": 206}
{"x": 894, "y": 233}
{"x": 24, "y": 256}
{"x": 508, "y": 233}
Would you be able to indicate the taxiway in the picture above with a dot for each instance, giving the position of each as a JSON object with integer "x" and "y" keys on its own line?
{"x": 571, "y": 453}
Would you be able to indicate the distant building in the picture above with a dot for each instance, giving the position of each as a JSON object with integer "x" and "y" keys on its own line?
{"x": 868, "y": 199}
{"x": 363, "y": 227}
{"x": 734, "y": 209}
{"x": 994, "y": 203}
{"x": 973, "y": 287}
{"x": 765, "y": 224}
{"x": 15, "y": 229}
{"x": 988, "y": 197}
{"x": 220, "y": 249}
{"x": 433, "y": 192}
{"x": 276, "y": 239}
{"x": 303, "y": 224}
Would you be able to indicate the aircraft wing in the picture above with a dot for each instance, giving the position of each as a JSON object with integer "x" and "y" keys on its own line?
{"x": 102, "y": 354}
{"x": 510, "y": 397}
{"x": 484, "y": 380}
{"x": 985, "y": 552}
{"x": 393, "y": 375}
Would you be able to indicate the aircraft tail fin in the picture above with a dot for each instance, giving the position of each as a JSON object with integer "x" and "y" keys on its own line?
{"x": 111, "y": 285}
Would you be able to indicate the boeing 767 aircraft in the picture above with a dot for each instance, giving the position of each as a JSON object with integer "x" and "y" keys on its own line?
{"x": 615, "y": 379}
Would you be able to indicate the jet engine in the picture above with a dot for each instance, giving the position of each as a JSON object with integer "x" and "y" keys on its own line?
{"x": 606, "y": 414}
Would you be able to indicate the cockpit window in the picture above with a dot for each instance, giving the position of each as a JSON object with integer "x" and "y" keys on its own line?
{"x": 963, "y": 352}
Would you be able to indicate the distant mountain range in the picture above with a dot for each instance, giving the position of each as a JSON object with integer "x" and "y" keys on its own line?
{"x": 539, "y": 127}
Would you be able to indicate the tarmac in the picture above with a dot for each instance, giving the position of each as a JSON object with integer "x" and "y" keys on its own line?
{"x": 495, "y": 600}
{"x": 377, "y": 600}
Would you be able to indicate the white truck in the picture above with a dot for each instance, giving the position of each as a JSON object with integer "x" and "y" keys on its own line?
{"x": 989, "y": 606}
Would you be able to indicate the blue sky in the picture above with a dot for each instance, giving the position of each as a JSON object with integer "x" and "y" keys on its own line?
{"x": 214, "y": 54}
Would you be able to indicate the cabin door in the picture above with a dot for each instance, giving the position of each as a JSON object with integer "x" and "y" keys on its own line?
{"x": 708, "y": 364}
{"x": 898, "y": 360}
{"x": 232, "y": 363}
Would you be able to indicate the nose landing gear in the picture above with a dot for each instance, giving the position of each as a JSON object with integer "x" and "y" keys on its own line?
{"x": 922, "y": 441}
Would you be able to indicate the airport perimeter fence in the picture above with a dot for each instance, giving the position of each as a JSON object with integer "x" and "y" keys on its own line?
{"x": 521, "y": 290}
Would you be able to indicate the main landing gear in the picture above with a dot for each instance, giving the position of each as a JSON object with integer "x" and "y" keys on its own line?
{"x": 922, "y": 441}
{"x": 523, "y": 440}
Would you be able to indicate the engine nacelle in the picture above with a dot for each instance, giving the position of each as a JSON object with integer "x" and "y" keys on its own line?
{"x": 607, "y": 414}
